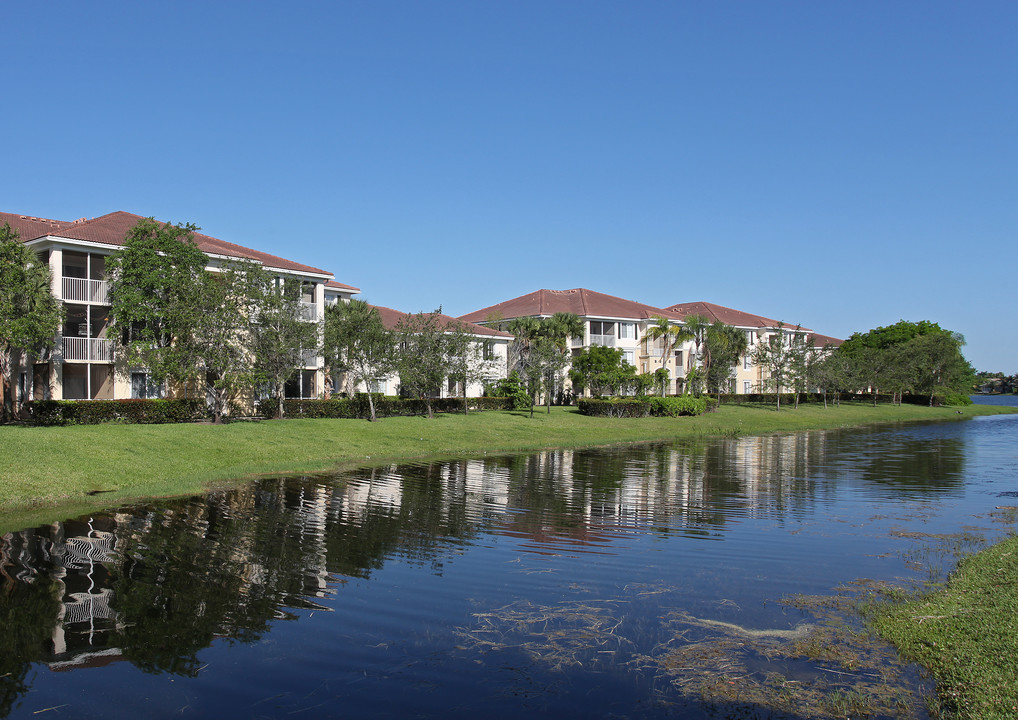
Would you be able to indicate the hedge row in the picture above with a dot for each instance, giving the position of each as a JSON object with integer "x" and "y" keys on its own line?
{"x": 385, "y": 406}
{"x": 92, "y": 412}
{"x": 882, "y": 398}
{"x": 673, "y": 406}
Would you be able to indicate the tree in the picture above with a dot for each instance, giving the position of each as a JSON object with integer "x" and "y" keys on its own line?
{"x": 671, "y": 336}
{"x": 423, "y": 358}
{"x": 280, "y": 334}
{"x": 156, "y": 284}
{"x": 699, "y": 362}
{"x": 468, "y": 365}
{"x": 29, "y": 314}
{"x": 358, "y": 344}
{"x": 920, "y": 356}
{"x": 724, "y": 346}
{"x": 775, "y": 356}
{"x": 218, "y": 348}
{"x": 602, "y": 370}
{"x": 540, "y": 350}
{"x": 938, "y": 363}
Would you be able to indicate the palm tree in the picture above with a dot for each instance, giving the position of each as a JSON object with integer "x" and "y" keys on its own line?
{"x": 541, "y": 347}
{"x": 671, "y": 336}
{"x": 699, "y": 359}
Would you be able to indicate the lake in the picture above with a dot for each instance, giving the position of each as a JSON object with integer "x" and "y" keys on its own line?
{"x": 695, "y": 580}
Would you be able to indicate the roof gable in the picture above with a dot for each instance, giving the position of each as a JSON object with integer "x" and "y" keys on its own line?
{"x": 579, "y": 301}
{"x": 727, "y": 315}
{"x": 30, "y": 228}
{"x": 391, "y": 319}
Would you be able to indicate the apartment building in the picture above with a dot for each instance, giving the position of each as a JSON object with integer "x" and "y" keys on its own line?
{"x": 82, "y": 365}
{"x": 492, "y": 346}
{"x": 607, "y": 320}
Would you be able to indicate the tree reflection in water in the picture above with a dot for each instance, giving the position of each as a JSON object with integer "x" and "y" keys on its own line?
{"x": 155, "y": 584}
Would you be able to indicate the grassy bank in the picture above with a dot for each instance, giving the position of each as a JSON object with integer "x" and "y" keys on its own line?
{"x": 75, "y": 469}
{"x": 966, "y": 634}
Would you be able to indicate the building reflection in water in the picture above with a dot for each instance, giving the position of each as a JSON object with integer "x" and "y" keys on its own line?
{"x": 154, "y": 584}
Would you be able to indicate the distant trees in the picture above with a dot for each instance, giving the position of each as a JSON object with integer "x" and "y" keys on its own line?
{"x": 29, "y": 314}
{"x": 919, "y": 357}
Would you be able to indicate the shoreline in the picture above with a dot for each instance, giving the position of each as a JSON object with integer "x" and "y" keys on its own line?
{"x": 68, "y": 471}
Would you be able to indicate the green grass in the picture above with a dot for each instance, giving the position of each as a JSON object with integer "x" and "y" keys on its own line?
{"x": 76, "y": 469}
{"x": 966, "y": 634}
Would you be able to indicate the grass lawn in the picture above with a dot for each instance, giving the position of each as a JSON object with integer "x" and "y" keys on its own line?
{"x": 966, "y": 634}
{"x": 46, "y": 471}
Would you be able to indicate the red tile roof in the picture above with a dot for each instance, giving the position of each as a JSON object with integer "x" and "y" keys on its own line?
{"x": 822, "y": 341}
{"x": 727, "y": 315}
{"x": 579, "y": 301}
{"x": 335, "y": 285}
{"x": 30, "y": 228}
{"x": 111, "y": 229}
{"x": 391, "y": 318}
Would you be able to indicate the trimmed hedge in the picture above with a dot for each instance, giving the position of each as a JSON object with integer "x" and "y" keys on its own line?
{"x": 614, "y": 407}
{"x": 93, "y": 412}
{"x": 385, "y": 406}
{"x": 947, "y": 398}
{"x": 677, "y": 405}
{"x": 643, "y": 406}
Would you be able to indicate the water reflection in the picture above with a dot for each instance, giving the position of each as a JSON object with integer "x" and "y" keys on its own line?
{"x": 155, "y": 584}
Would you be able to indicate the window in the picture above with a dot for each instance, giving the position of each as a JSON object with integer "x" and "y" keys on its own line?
{"x": 488, "y": 350}
{"x": 629, "y": 357}
{"x": 746, "y": 361}
{"x": 678, "y": 358}
{"x": 627, "y": 331}
{"x": 747, "y": 387}
{"x": 142, "y": 387}
{"x": 602, "y": 333}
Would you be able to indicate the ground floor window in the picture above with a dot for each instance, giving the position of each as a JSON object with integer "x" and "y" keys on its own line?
{"x": 143, "y": 388}
{"x": 747, "y": 386}
{"x": 376, "y": 386}
{"x": 302, "y": 385}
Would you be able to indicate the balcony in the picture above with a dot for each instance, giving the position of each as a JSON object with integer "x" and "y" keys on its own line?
{"x": 602, "y": 340}
{"x": 83, "y": 290}
{"x": 88, "y": 349}
{"x": 308, "y": 311}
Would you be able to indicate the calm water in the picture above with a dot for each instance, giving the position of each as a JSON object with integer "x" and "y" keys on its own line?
{"x": 645, "y": 582}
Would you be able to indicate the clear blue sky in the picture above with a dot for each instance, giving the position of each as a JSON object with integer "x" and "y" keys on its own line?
{"x": 840, "y": 165}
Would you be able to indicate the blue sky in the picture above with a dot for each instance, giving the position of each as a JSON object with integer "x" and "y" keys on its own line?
{"x": 839, "y": 165}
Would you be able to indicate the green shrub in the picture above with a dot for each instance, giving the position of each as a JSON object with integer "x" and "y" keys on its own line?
{"x": 678, "y": 405}
{"x": 93, "y": 412}
{"x": 614, "y": 407}
{"x": 513, "y": 390}
{"x": 385, "y": 406}
{"x": 952, "y": 398}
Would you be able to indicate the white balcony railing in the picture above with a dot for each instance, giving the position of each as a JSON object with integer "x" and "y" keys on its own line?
{"x": 82, "y": 290}
{"x": 91, "y": 349}
{"x": 603, "y": 340}
{"x": 308, "y": 311}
